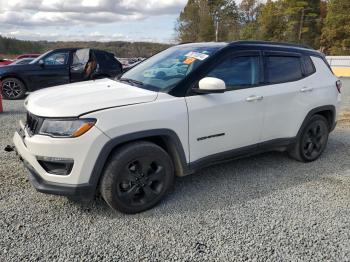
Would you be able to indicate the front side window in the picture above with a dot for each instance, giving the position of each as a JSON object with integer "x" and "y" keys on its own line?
{"x": 238, "y": 72}
{"x": 282, "y": 69}
{"x": 59, "y": 58}
{"x": 166, "y": 69}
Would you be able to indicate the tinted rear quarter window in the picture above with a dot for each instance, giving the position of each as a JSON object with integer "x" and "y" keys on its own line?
{"x": 309, "y": 65}
{"x": 282, "y": 69}
{"x": 106, "y": 60}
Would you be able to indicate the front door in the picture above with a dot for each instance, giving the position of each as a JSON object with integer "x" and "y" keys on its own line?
{"x": 222, "y": 122}
{"x": 54, "y": 70}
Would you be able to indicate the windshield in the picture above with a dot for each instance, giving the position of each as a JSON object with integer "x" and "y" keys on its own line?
{"x": 22, "y": 61}
{"x": 36, "y": 60}
{"x": 166, "y": 69}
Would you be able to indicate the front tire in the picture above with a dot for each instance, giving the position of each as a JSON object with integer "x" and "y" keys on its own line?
{"x": 13, "y": 88}
{"x": 137, "y": 176}
{"x": 312, "y": 141}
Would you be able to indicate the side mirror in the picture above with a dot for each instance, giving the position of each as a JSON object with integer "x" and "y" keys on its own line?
{"x": 209, "y": 85}
{"x": 41, "y": 63}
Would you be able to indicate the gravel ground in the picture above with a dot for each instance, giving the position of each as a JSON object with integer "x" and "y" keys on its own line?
{"x": 263, "y": 208}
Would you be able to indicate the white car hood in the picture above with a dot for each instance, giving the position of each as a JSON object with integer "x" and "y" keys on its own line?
{"x": 79, "y": 98}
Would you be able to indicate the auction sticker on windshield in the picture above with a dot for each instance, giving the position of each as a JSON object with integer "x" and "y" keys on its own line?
{"x": 197, "y": 55}
{"x": 189, "y": 60}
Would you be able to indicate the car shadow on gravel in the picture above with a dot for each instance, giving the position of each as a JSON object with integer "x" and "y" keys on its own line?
{"x": 13, "y": 112}
{"x": 243, "y": 180}
{"x": 238, "y": 182}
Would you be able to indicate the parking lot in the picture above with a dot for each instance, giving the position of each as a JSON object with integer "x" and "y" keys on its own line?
{"x": 266, "y": 207}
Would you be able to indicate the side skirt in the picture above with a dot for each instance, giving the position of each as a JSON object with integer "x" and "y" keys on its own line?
{"x": 282, "y": 144}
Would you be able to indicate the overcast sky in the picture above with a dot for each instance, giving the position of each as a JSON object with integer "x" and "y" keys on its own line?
{"x": 101, "y": 20}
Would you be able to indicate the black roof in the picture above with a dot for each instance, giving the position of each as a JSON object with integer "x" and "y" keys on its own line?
{"x": 76, "y": 48}
{"x": 266, "y": 45}
{"x": 65, "y": 49}
{"x": 279, "y": 46}
{"x": 203, "y": 44}
{"x": 271, "y": 44}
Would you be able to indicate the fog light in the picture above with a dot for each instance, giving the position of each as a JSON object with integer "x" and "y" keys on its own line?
{"x": 56, "y": 165}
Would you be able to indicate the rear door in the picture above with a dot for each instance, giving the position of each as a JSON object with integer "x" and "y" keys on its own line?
{"x": 221, "y": 122}
{"x": 80, "y": 58}
{"x": 287, "y": 94}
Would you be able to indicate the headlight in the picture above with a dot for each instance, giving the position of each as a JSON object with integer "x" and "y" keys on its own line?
{"x": 66, "y": 128}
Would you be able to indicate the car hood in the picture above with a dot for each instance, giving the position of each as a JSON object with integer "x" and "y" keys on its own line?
{"x": 73, "y": 100}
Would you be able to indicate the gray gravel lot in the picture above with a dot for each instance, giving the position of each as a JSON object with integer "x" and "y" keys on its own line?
{"x": 263, "y": 208}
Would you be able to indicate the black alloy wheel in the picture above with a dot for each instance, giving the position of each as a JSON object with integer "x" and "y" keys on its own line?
{"x": 314, "y": 140}
{"x": 142, "y": 181}
{"x": 137, "y": 176}
{"x": 12, "y": 89}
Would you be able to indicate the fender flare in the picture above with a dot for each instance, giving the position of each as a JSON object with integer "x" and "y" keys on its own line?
{"x": 316, "y": 110}
{"x": 115, "y": 142}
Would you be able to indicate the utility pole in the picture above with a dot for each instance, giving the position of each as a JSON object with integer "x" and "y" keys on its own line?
{"x": 301, "y": 23}
{"x": 216, "y": 26}
{"x": 217, "y": 31}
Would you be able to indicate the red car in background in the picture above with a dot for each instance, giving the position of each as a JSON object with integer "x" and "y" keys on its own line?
{"x": 4, "y": 62}
{"x": 27, "y": 56}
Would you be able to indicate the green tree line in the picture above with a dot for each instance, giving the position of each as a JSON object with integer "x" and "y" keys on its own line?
{"x": 321, "y": 24}
{"x": 11, "y": 46}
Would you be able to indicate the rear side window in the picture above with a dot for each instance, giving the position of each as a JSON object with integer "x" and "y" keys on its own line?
{"x": 309, "y": 66}
{"x": 106, "y": 60}
{"x": 282, "y": 69}
{"x": 81, "y": 57}
{"x": 238, "y": 72}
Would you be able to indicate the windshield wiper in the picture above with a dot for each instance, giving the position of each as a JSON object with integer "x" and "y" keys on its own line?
{"x": 131, "y": 81}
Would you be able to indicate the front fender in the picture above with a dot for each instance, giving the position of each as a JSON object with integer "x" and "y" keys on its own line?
{"x": 115, "y": 142}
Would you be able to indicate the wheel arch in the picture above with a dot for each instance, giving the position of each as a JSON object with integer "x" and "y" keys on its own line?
{"x": 165, "y": 138}
{"x": 16, "y": 77}
{"x": 328, "y": 111}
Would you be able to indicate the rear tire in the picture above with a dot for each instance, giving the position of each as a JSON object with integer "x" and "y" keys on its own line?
{"x": 13, "y": 88}
{"x": 137, "y": 176}
{"x": 312, "y": 141}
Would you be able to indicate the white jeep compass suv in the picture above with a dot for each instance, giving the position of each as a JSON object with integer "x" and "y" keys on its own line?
{"x": 185, "y": 108}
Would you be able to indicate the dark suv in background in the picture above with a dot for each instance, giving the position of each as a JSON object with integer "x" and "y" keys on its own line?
{"x": 57, "y": 67}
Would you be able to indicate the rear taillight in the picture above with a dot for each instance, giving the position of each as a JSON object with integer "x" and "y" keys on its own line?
{"x": 339, "y": 85}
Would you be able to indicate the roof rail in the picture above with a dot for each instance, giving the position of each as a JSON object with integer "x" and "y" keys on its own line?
{"x": 252, "y": 42}
{"x": 184, "y": 43}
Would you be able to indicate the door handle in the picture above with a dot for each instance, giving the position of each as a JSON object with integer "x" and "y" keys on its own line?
{"x": 306, "y": 89}
{"x": 254, "y": 98}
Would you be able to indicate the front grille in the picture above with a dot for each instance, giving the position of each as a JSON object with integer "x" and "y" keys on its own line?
{"x": 33, "y": 123}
